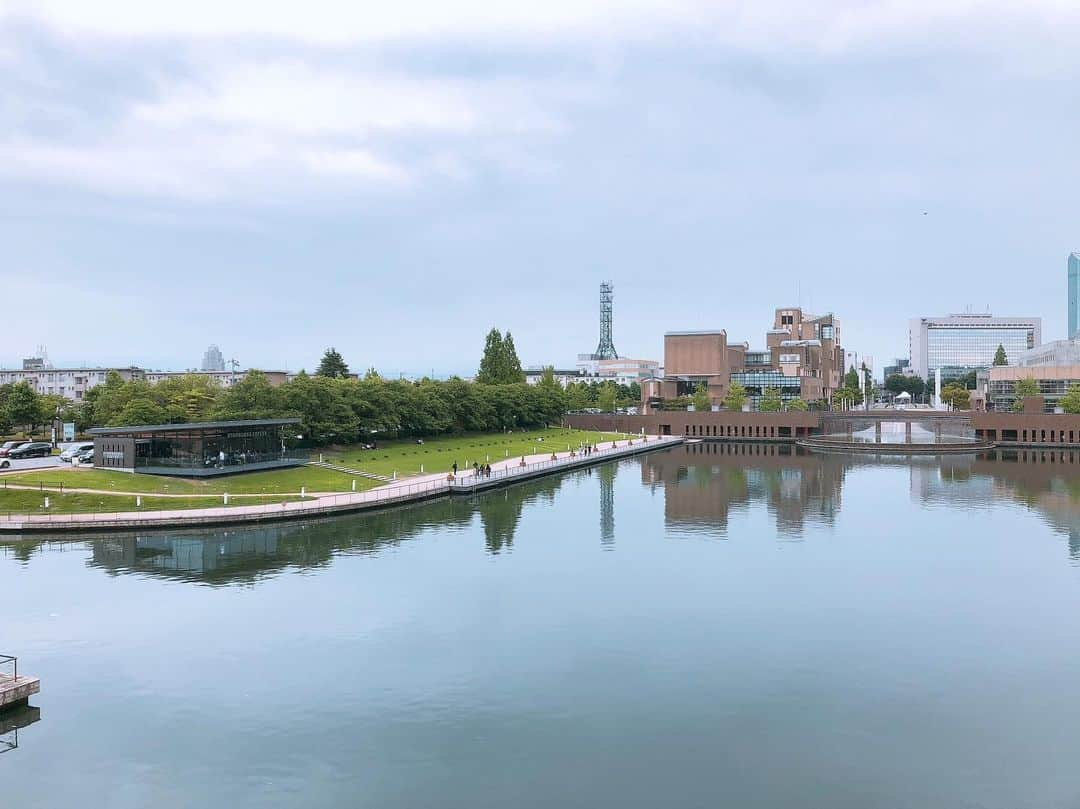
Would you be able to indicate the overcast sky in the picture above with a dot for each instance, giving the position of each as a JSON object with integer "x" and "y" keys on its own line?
{"x": 395, "y": 178}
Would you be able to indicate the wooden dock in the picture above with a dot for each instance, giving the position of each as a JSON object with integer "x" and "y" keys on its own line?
{"x": 14, "y": 693}
{"x": 15, "y": 689}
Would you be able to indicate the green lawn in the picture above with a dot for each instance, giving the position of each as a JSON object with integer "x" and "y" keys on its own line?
{"x": 15, "y": 501}
{"x": 437, "y": 454}
{"x": 403, "y": 457}
{"x": 275, "y": 481}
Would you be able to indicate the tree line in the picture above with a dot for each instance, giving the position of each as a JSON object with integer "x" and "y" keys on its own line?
{"x": 333, "y": 406}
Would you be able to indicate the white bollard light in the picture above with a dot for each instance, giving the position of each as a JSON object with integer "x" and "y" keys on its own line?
{"x": 225, "y": 497}
{"x": 138, "y": 500}
{"x": 303, "y": 491}
{"x": 354, "y": 484}
{"x": 46, "y": 502}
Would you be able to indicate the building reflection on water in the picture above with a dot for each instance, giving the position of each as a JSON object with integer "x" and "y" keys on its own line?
{"x": 704, "y": 483}
{"x": 702, "y": 486}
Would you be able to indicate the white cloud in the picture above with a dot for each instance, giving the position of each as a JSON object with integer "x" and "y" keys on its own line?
{"x": 296, "y": 99}
{"x": 761, "y": 24}
{"x": 240, "y": 124}
{"x": 239, "y": 127}
{"x": 352, "y": 163}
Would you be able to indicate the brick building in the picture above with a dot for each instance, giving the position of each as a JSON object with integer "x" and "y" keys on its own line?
{"x": 802, "y": 358}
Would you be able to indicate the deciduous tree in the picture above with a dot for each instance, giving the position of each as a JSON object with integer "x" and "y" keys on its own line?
{"x": 735, "y": 397}
{"x": 770, "y": 401}
{"x": 1070, "y": 402}
{"x": 956, "y": 396}
{"x": 701, "y": 399}
{"x": 1024, "y": 387}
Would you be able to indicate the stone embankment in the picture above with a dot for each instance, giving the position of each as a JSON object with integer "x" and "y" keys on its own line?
{"x": 399, "y": 492}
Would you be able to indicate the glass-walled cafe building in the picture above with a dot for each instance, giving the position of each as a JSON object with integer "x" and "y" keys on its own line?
{"x": 200, "y": 449}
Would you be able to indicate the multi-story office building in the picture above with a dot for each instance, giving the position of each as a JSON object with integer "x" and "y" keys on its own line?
{"x": 802, "y": 358}
{"x": 621, "y": 370}
{"x": 1073, "y": 275}
{"x": 564, "y": 376}
{"x": 959, "y": 344}
{"x": 1055, "y": 367}
{"x": 213, "y": 359}
{"x": 899, "y": 367}
{"x": 1053, "y": 381}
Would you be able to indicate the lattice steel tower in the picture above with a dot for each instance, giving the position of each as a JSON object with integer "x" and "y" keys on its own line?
{"x": 606, "y": 349}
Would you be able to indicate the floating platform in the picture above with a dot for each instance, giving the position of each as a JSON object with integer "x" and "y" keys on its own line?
{"x": 825, "y": 444}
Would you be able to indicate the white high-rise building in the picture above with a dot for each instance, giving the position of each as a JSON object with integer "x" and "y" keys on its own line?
{"x": 958, "y": 344}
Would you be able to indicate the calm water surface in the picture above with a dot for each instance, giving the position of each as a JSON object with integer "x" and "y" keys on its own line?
{"x": 714, "y": 625}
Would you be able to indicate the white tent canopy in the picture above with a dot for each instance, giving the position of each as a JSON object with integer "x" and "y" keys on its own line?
{"x": 903, "y": 396}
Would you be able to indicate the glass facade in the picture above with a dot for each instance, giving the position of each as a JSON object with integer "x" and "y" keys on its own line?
{"x": 956, "y": 350}
{"x": 200, "y": 449}
{"x": 757, "y": 382}
{"x": 1001, "y": 393}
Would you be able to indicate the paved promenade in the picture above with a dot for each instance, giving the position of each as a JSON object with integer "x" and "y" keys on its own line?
{"x": 408, "y": 490}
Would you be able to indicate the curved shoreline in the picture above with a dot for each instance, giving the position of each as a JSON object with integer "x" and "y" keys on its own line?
{"x": 504, "y": 473}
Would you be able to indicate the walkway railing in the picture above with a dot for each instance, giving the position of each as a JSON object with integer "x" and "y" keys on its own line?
{"x": 470, "y": 479}
{"x": 400, "y": 492}
{"x": 9, "y": 663}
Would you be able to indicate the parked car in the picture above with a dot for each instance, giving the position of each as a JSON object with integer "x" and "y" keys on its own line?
{"x": 8, "y": 446}
{"x": 34, "y": 449}
{"x": 75, "y": 449}
{"x": 4, "y": 463}
{"x": 85, "y": 458}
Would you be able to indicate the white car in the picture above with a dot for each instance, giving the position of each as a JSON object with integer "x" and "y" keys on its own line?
{"x": 73, "y": 450}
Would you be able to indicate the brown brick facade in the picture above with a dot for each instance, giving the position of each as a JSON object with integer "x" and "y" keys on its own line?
{"x": 1028, "y": 428}
{"x": 722, "y": 424}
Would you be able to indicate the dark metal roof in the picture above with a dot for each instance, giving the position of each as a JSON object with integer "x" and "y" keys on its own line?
{"x": 194, "y": 425}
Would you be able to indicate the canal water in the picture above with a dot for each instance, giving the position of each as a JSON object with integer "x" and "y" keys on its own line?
{"x": 713, "y": 625}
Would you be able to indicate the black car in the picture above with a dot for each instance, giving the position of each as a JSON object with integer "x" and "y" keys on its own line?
{"x": 85, "y": 457}
{"x": 35, "y": 449}
{"x": 8, "y": 446}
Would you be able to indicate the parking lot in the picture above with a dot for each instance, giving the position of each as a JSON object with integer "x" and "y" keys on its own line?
{"x": 23, "y": 464}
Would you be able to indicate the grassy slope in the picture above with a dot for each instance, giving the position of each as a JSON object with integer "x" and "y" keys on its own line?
{"x": 275, "y": 481}
{"x": 437, "y": 454}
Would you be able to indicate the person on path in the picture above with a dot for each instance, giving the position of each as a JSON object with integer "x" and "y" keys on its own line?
{"x": 454, "y": 467}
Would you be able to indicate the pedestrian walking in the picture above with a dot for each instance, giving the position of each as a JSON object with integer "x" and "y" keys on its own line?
{"x": 454, "y": 467}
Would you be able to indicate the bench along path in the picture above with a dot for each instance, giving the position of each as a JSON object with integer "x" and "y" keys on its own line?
{"x": 409, "y": 490}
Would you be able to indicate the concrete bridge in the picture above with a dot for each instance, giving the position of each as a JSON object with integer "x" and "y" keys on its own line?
{"x": 941, "y": 423}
